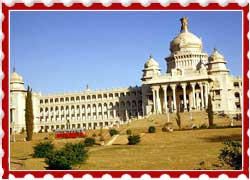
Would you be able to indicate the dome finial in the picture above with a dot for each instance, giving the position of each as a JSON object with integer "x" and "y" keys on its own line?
{"x": 184, "y": 24}
{"x": 215, "y": 49}
{"x": 150, "y": 56}
{"x": 14, "y": 68}
{"x": 87, "y": 87}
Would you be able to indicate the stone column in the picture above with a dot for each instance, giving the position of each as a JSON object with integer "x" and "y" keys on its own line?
{"x": 202, "y": 95}
{"x": 164, "y": 87}
{"x": 154, "y": 101}
{"x": 184, "y": 85}
{"x": 173, "y": 87}
{"x": 193, "y": 92}
{"x": 158, "y": 100}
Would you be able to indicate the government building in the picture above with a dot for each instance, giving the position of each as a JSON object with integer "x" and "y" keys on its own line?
{"x": 191, "y": 77}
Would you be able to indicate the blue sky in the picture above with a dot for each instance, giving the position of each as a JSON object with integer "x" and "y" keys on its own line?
{"x": 64, "y": 51}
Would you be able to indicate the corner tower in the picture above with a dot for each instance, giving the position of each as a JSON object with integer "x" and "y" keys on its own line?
{"x": 17, "y": 103}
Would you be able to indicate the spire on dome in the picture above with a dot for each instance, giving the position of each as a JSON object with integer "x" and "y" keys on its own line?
{"x": 87, "y": 88}
{"x": 184, "y": 24}
{"x": 14, "y": 68}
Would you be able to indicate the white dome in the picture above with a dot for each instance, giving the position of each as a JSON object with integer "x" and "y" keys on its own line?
{"x": 185, "y": 40}
{"x": 216, "y": 56}
{"x": 151, "y": 63}
{"x": 16, "y": 82}
{"x": 15, "y": 77}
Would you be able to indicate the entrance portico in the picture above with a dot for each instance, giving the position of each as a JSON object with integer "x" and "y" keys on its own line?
{"x": 185, "y": 96}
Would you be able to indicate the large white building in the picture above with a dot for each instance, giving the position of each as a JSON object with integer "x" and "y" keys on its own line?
{"x": 192, "y": 75}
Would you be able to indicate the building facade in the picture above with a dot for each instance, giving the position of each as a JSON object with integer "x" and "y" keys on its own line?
{"x": 191, "y": 77}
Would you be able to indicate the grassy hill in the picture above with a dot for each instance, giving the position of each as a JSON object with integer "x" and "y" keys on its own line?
{"x": 180, "y": 150}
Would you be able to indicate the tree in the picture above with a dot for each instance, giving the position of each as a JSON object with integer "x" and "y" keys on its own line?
{"x": 178, "y": 118}
{"x": 29, "y": 117}
{"x": 43, "y": 149}
{"x": 210, "y": 112}
{"x": 231, "y": 154}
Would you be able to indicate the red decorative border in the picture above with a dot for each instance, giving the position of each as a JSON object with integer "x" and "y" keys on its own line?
{"x": 118, "y": 6}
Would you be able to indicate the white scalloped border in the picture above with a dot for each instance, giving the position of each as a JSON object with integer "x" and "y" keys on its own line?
{"x": 107, "y": 3}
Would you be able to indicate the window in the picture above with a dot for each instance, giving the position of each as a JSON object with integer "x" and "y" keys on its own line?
{"x": 236, "y": 84}
{"x": 217, "y": 92}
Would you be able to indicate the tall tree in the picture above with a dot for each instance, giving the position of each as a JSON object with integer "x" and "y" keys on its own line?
{"x": 178, "y": 118}
{"x": 210, "y": 111}
{"x": 29, "y": 117}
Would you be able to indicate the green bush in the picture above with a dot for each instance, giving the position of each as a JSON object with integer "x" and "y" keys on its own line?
{"x": 65, "y": 158}
{"x": 151, "y": 129}
{"x": 231, "y": 154}
{"x": 94, "y": 135}
{"x": 129, "y": 132}
{"x": 42, "y": 149}
{"x": 113, "y": 132}
{"x": 58, "y": 161}
{"x": 89, "y": 142}
{"x": 75, "y": 153}
{"x": 132, "y": 140}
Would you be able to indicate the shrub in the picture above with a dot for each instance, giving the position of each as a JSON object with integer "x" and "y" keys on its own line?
{"x": 132, "y": 140}
{"x": 58, "y": 161}
{"x": 65, "y": 158}
{"x": 151, "y": 129}
{"x": 43, "y": 149}
{"x": 89, "y": 142}
{"x": 94, "y": 135}
{"x": 164, "y": 129}
{"x": 113, "y": 132}
{"x": 231, "y": 154}
{"x": 129, "y": 132}
{"x": 75, "y": 153}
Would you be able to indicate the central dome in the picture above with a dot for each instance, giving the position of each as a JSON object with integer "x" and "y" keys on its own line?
{"x": 185, "y": 41}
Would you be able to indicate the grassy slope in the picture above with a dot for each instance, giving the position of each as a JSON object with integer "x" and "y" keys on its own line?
{"x": 177, "y": 150}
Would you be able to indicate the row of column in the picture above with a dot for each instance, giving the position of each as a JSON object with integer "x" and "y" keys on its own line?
{"x": 157, "y": 102}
